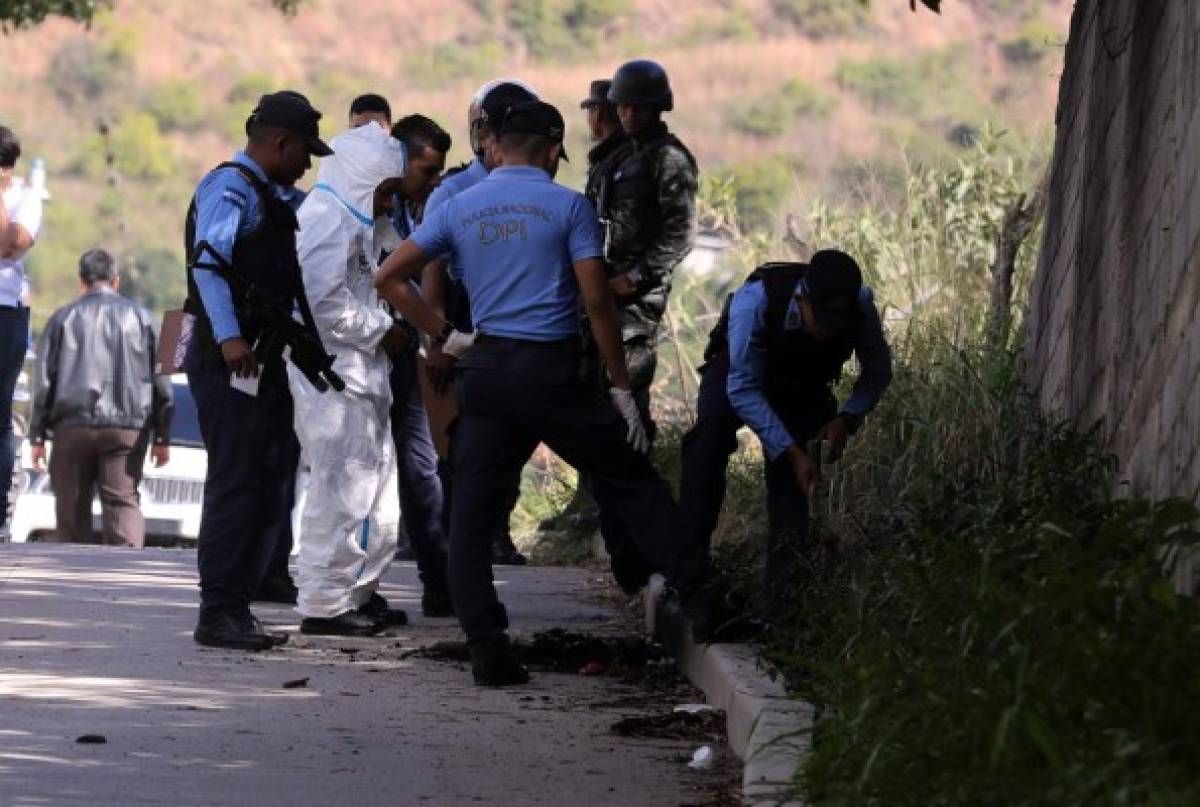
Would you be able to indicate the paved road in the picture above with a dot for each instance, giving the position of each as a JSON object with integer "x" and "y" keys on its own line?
{"x": 97, "y": 641}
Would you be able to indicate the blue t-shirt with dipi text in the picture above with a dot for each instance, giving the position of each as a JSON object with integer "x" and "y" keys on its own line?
{"x": 515, "y": 236}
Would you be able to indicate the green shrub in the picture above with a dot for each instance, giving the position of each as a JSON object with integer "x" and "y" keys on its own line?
{"x": 86, "y": 71}
{"x": 983, "y": 621}
{"x": 883, "y": 82}
{"x": 762, "y": 186}
{"x": 554, "y": 29}
{"x": 587, "y": 17}
{"x": 773, "y": 114}
{"x": 1032, "y": 42}
{"x": 735, "y": 23}
{"x": 249, "y": 87}
{"x": 155, "y": 278}
{"x": 242, "y": 97}
{"x": 976, "y": 620}
{"x": 451, "y": 61}
{"x": 69, "y": 229}
{"x": 177, "y": 105}
{"x": 136, "y": 147}
{"x": 820, "y": 19}
{"x": 540, "y": 24}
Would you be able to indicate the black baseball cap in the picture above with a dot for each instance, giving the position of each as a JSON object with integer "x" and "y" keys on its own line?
{"x": 831, "y": 285}
{"x": 290, "y": 110}
{"x": 502, "y": 97}
{"x": 597, "y": 93}
{"x": 535, "y": 118}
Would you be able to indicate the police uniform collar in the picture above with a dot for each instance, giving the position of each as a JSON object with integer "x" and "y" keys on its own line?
{"x": 245, "y": 159}
{"x": 519, "y": 172}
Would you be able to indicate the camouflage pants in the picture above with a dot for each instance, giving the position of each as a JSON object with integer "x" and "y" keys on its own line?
{"x": 641, "y": 357}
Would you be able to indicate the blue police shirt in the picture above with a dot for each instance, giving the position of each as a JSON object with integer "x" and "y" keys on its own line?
{"x": 748, "y": 362}
{"x": 451, "y": 186}
{"x": 226, "y": 209}
{"x": 516, "y": 236}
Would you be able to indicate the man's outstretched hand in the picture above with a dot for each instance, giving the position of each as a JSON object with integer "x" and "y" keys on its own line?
{"x": 837, "y": 432}
{"x": 808, "y": 473}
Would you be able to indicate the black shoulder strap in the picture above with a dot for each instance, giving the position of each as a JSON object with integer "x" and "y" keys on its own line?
{"x": 669, "y": 139}
{"x": 196, "y": 253}
{"x": 260, "y": 187}
{"x": 458, "y": 169}
{"x": 779, "y": 282}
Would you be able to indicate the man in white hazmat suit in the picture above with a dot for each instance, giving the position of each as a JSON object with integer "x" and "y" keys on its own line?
{"x": 351, "y": 515}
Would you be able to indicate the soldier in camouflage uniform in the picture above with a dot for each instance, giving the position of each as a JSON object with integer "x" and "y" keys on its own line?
{"x": 647, "y": 202}
{"x": 645, "y": 195}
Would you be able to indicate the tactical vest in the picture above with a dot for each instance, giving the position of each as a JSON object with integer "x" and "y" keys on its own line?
{"x": 799, "y": 368}
{"x": 266, "y": 257}
{"x": 601, "y": 160}
{"x": 632, "y": 184}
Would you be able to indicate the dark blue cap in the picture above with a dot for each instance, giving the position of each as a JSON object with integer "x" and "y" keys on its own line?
{"x": 291, "y": 111}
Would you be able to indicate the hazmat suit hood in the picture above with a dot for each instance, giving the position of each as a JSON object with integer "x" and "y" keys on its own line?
{"x": 362, "y": 158}
{"x": 338, "y": 256}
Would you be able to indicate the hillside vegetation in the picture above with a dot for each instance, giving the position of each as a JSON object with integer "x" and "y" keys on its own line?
{"x": 791, "y": 98}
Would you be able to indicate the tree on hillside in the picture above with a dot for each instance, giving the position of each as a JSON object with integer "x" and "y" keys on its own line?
{"x": 21, "y": 13}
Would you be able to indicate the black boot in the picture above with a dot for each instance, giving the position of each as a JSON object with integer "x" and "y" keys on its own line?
{"x": 351, "y": 623}
{"x": 505, "y": 553}
{"x": 254, "y": 625}
{"x": 713, "y": 619}
{"x": 494, "y": 664}
{"x": 230, "y": 630}
{"x": 377, "y": 608}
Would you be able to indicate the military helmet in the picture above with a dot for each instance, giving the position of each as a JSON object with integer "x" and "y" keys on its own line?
{"x": 491, "y": 100}
{"x": 644, "y": 83}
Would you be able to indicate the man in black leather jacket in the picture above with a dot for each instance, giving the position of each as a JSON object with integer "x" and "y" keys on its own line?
{"x": 97, "y": 392}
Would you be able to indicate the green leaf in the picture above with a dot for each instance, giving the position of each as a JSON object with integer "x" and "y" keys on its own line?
{"x": 1163, "y": 593}
{"x": 1043, "y": 737}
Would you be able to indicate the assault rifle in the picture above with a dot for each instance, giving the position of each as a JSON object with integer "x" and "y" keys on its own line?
{"x": 282, "y": 335}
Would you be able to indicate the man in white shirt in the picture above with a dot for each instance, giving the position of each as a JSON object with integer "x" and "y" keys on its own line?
{"x": 20, "y": 220}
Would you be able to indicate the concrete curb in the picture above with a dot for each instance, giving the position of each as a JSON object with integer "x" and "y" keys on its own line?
{"x": 767, "y": 730}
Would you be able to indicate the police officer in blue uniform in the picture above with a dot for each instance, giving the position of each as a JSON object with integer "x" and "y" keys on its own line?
{"x": 530, "y": 250}
{"x": 442, "y": 281}
{"x": 242, "y": 225}
{"x": 780, "y": 345}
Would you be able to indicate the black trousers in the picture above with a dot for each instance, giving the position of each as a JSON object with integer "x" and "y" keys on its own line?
{"x": 513, "y": 395}
{"x": 641, "y": 357}
{"x": 707, "y": 448}
{"x": 245, "y": 526}
{"x": 420, "y": 485}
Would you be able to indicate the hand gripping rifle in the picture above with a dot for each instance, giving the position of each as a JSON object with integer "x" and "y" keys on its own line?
{"x": 281, "y": 332}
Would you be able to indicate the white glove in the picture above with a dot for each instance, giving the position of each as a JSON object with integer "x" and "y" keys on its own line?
{"x": 458, "y": 343}
{"x": 628, "y": 408}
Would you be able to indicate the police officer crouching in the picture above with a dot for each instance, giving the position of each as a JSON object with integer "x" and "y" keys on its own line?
{"x": 778, "y": 348}
{"x": 244, "y": 283}
{"x": 530, "y": 250}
